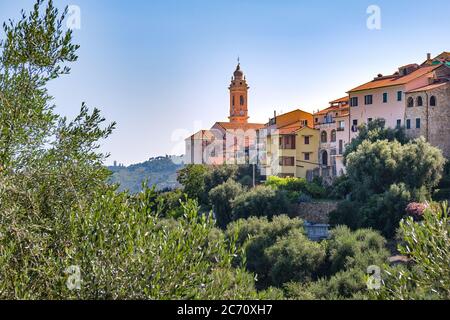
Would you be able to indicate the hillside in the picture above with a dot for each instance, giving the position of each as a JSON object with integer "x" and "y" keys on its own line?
{"x": 160, "y": 171}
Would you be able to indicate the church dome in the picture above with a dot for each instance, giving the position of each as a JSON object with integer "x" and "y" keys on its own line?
{"x": 238, "y": 74}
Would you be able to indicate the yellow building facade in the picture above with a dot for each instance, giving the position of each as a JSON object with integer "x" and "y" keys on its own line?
{"x": 291, "y": 146}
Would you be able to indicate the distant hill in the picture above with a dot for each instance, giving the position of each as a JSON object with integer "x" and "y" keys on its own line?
{"x": 160, "y": 171}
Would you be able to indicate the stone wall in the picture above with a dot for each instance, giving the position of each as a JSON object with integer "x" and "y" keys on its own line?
{"x": 435, "y": 121}
{"x": 316, "y": 212}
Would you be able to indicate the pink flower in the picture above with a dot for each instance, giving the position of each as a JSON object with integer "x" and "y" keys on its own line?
{"x": 416, "y": 210}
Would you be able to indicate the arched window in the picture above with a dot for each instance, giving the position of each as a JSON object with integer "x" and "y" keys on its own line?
{"x": 234, "y": 102}
{"x": 333, "y": 136}
{"x": 325, "y": 158}
{"x": 419, "y": 102}
{"x": 410, "y": 102}
{"x": 433, "y": 101}
{"x": 324, "y": 137}
{"x": 242, "y": 100}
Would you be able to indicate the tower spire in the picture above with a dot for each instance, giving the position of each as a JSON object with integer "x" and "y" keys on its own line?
{"x": 238, "y": 96}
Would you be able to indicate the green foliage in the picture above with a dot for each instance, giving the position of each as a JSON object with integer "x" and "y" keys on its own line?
{"x": 384, "y": 177}
{"x": 170, "y": 203}
{"x": 260, "y": 202}
{"x": 124, "y": 252}
{"x": 258, "y": 234}
{"x": 222, "y": 197}
{"x": 375, "y": 131}
{"x": 355, "y": 250}
{"x": 442, "y": 191}
{"x": 295, "y": 187}
{"x": 350, "y": 284}
{"x": 341, "y": 188}
{"x": 427, "y": 244}
{"x": 294, "y": 258}
{"x": 192, "y": 178}
{"x": 57, "y": 210}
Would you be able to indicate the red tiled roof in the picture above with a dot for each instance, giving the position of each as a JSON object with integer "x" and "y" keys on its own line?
{"x": 202, "y": 134}
{"x": 242, "y": 126}
{"x": 327, "y": 110}
{"x": 429, "y": 87}
{"x": 344, "y": 99}
{"x": 395, "y": 80}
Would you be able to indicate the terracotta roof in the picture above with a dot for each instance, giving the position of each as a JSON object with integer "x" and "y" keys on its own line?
{"x": 202, "y": 134}
{"x": 395, "y": 80}
{"x": 327, "y": 110}
{"x": 242, "y": 126}
{"x": 289, "y": 130}
{"x": 429, "y": 87}
{"x": 344, "y": 99}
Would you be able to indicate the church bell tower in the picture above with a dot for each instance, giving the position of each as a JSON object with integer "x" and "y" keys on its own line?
{"x": 239, "y": 97}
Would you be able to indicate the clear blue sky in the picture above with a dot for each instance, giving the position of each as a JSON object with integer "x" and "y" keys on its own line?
{"x": 161, "y": 68}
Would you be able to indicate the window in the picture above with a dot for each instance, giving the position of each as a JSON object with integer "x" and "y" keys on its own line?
{"x": 355, "y": 126}
{"x": 408, "y": 124}
{"x": 433, "y": 102}
{"x": 419, "y": 102}
{"x": 354, "y": 102}
{"x": 399, "y": 95}
{"x": 307, "y": 156}
{"x": 418, "y": 123}
{"x": 410, "y": 102}
{"x": 325, "y": 158}
{"x": 287, "y": 142}
{"x": 287, "y": 161}
{"x": 385, "y": 97}
{"x": 324, "y": 137}
{"x": 341, "y": 147}
{"x": 234, "y": 102}
{"x": 399, "y": 123}
{"x": 368, "y": 99}
{"x": 317, "y": 120}
{"x": 307, "y": 140}
{"x": 341, "y": 125}
{"x": 242, "y": 100}
{"x": 333, "y": 136}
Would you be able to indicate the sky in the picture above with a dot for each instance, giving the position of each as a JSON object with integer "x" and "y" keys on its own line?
{"x": 161, "y": 69}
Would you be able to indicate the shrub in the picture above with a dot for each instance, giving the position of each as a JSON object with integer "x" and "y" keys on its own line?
{"x": 260, "y": 202}
{"x": 258, "y": 234}
{"x": 221, "y": 198}
{"x": 359, "y": 249}
{"x": 427, "y": 244}
{"x": 294, "y": 258}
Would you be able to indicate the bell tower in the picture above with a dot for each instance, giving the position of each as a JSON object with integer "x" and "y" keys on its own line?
{"x": 239, "y": 97}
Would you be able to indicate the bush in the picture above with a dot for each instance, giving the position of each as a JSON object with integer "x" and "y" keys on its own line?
{"x": 385, "y": 177}
{"x": 260, "y": 202}
{"x": 355, "y": 250}
{"x": 258, "y": 234}
{"x": 192, "y": 178}
{"x": 294, "y": 258}
{"x": 427, "y": 244}
{"x": 221, "y": 198}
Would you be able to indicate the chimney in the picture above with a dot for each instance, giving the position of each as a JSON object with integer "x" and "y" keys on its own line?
{"x": 428, "y": 56}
